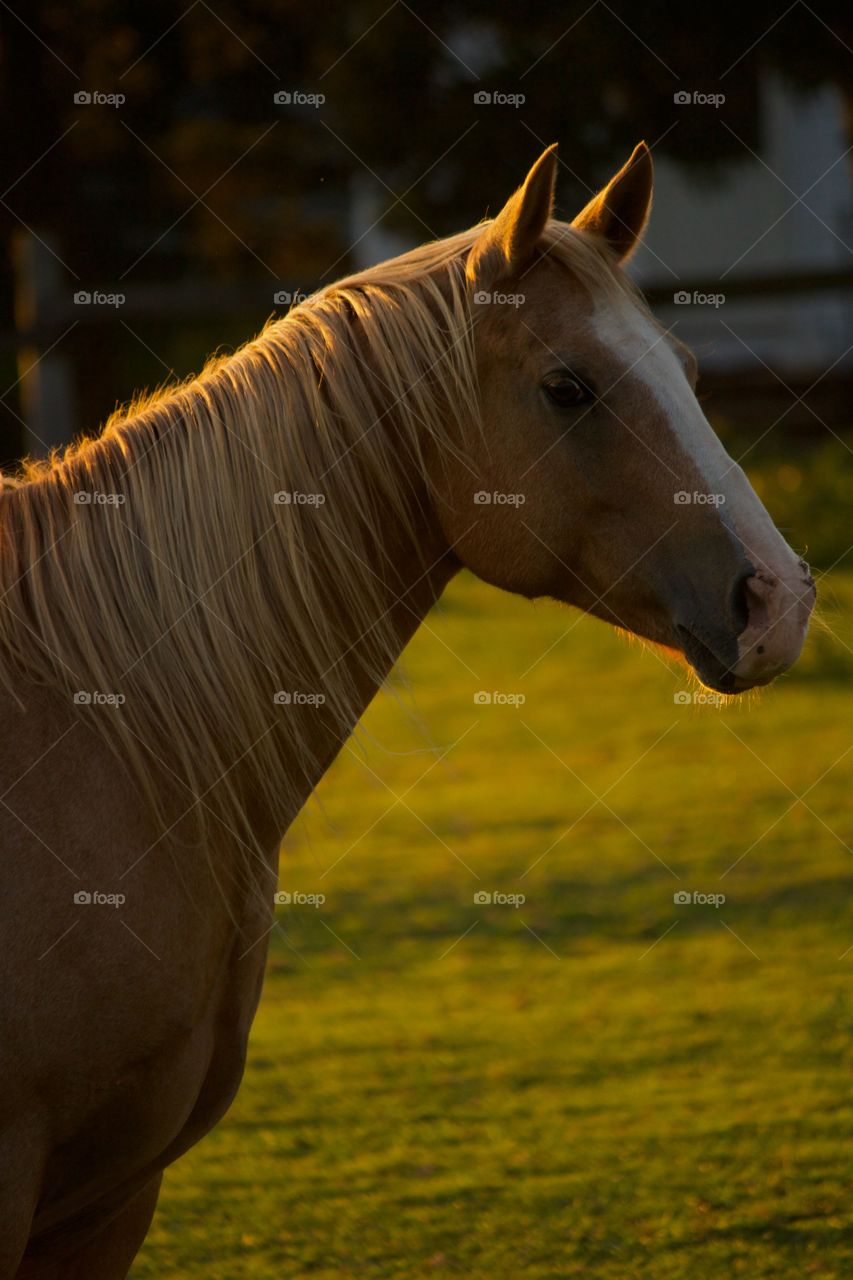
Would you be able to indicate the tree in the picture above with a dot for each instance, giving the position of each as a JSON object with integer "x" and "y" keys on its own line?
{"x": 200, "y": 173}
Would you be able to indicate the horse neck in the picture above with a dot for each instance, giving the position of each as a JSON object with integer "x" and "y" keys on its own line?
{"x": 426, "y": 575}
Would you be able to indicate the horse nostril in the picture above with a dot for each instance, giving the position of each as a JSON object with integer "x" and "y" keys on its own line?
{"x": 740, "y": 602}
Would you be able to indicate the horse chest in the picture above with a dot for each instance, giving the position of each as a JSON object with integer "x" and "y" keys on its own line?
{"x": 228, "y": 1037}
{"x": 157, "y": 1105}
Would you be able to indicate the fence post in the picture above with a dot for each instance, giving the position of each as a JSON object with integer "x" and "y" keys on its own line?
{"x": 45, "y": 373}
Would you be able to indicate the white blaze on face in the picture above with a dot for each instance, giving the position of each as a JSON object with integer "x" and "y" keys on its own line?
{"x": 781, "y": 593}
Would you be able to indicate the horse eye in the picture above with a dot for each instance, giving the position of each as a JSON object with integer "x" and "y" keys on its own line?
{"x": 566, "y": 391}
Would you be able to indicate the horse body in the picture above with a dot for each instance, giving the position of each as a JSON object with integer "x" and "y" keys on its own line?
{"x": 244, "y": 637}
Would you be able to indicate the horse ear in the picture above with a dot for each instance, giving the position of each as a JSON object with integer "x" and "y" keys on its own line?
{"x": 508, "y": 243}
{"x": 620, "y": 212}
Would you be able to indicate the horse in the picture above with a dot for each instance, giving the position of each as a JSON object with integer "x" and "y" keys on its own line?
{"x": 197, "y": 605}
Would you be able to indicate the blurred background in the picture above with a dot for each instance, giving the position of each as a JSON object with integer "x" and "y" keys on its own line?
{"x": 606, "y": 1079}
{"x": 174, "y": 173}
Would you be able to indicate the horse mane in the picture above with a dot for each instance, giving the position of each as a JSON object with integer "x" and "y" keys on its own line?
{"x": 183, "y": 587}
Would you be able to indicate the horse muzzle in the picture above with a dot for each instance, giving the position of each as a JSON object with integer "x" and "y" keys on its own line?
{"x": 768, "y": 622}
{"x": 777, "y": 619}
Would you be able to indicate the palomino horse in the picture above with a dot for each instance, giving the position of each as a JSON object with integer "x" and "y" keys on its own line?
{"x": 198, "y": 605}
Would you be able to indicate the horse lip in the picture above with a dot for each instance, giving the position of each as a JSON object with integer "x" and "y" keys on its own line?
{"x": 712, "y": 670}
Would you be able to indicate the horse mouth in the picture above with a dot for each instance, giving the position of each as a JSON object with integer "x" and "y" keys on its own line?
{"x": 714, "y": 667}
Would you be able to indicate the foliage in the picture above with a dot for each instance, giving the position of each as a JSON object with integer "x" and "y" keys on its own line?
{"x": 399, "y": 81}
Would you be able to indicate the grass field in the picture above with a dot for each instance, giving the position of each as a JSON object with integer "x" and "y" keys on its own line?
{"x": 600, "y": 1082}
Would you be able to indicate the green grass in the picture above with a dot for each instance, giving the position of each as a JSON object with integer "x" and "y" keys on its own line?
{"x": 599, "y": 1082}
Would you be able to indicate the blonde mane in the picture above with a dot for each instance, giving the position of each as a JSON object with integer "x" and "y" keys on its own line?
{"x": 153, "y": 564}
